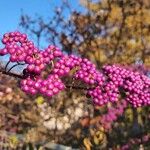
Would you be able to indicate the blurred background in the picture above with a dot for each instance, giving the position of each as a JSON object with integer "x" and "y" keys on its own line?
{"x": 104, "y": 31}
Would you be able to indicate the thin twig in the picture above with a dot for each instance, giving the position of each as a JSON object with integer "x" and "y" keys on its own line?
{"x": 78, "y": 87}
{"x": 15, "y": 66}
{"x": 7, "y": 65}
{"x": 22, "y": 77}
{"x": 12, "y": 74}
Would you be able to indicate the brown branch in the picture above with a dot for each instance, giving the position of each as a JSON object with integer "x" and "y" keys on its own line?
{"x": 15, "y": 66}
{"x": 7, "y": 65}
{"x": 12, "y": 74}
{"x": 78, "y": 87}
{"x": 22, "y": 77}
{"x": 141, "y": 32}
{"x": 120, "y": 31}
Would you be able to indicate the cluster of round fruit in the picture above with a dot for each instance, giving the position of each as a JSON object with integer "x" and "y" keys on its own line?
{"x": 49, "y": 87}
{"x": 63, "y": 66}
{"x": 21, "y": 49}
{"x": 106, "y": 85}
{"x": 112, "y": 114}
{"x": 88, "y": 73}
{"x": 136, "y": 86}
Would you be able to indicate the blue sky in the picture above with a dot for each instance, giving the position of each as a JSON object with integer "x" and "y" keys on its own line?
{"x": 10, "y": 11}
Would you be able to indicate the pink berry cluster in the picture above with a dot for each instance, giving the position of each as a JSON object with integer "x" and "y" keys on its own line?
{"x": 39, "y": 59}
{"x": 17, "y": 45}
{"x": 88, "y": 73}
{"x": 63, "y": 66}
{"x": 112, "y": 114}
{"x": 21, "y": 49}
{"x": 48, "y": 87}
{"x": 108, "y": 92}
{"x": 135, "y": 85}
{"x": 107, "y": 85}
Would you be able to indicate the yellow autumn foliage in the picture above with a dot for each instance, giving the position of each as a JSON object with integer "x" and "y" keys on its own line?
{"x": 39, "y": 100}
{"x": 120, "y": 31}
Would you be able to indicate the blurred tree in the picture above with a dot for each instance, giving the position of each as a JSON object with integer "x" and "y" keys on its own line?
{"x": 115, "y": 31}
{"x": 111, "y": 31}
